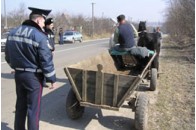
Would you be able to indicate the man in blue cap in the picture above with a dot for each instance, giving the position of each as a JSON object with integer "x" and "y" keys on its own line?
{"x": 49, "y": 26}
{"x": 28, "y": 54}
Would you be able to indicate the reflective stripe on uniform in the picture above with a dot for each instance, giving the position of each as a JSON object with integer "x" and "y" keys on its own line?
{"x": 50, "y": 74}
{"x": 33, "y": 70}
{"x": 22, "y": 39}
{"x": 29, "y": 70}
{"x": 49, "y": 46}
{"x": 22, "y": 69}
{"x": 50, "y": 36}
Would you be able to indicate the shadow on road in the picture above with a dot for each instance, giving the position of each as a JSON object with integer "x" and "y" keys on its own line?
{"x": 4, "y": 126}
{"x": 116, "y": 122}
{"x": 53, "y": 111}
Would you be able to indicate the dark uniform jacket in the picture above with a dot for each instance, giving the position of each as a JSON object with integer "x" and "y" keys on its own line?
{"x": 27, "y": 50}
{"x": 50, "y": 35}
{"x": 126, "y": 36}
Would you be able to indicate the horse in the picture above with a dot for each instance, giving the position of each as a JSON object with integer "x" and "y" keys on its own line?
{"x": 150, "y": 41}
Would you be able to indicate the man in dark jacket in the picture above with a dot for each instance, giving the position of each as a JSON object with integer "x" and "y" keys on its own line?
{"x": 61, "y": 36}
{"x": 28, "y": 54}
{"x": 49, "y": 26}
{"x": 124, "y": 35}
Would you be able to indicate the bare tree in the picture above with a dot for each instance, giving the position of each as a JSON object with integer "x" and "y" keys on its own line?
{"x": 64, "y": 20}
{"x": 180, "y": 19}
{"x": 17, "y": 16}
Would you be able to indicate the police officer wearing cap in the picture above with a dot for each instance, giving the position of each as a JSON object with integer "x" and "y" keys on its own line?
{"x": 28, "y": 54}
{"x": 49, "y": 31}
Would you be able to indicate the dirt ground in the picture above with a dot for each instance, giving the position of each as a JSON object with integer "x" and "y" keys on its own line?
{"x": 172, "y": 105}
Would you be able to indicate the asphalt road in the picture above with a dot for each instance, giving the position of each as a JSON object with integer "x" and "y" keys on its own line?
{"x": 53, "y": 114}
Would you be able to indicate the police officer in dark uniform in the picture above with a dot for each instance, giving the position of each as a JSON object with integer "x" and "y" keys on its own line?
{"x": 49, "y": 26}
{"x": 27, "y": 53}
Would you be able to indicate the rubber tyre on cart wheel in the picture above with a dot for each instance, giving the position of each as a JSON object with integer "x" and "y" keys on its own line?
{"x": 73, "y": 108}
{"x": 153, "y": 80}
{"x": 141, "y": 112}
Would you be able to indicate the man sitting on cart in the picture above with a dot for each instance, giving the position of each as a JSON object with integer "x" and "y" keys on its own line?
{"x": 125, "y": 43}
{"x": 124, "y": 40}
{"x": 124, "y": 35}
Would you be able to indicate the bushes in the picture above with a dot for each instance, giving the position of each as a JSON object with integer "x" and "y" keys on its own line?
{"x": 180, "y": 20}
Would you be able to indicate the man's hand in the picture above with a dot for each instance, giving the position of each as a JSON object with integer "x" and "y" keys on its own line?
{"x": 53, "y": 85}
{"x": 13, "y": 72}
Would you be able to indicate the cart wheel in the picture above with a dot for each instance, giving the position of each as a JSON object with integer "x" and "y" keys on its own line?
{"x": 155, "y": 63}
{"x": 141, "y": 112}
{"x": 153, "y": 80}
{"x": 73, "y": 108}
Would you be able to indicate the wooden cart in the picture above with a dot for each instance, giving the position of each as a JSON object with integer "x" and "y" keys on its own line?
{"x": 95, "y": 86}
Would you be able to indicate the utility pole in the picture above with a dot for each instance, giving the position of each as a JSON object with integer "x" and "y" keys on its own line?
{"x": 93, "y": 26}
{"x": 5, "y": 26}
{"x": 5, "y": 15}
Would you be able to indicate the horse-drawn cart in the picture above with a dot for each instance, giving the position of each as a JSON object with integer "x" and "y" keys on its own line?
{"x": 97, "y": 83}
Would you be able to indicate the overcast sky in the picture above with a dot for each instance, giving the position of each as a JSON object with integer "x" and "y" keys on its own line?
{"x": 150, "y": 10}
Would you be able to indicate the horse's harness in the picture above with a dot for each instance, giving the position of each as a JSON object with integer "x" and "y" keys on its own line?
{"x": 142, "y": 31}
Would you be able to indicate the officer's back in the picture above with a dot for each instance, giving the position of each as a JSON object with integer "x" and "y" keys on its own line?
{"x": 27, "y": 52}
{"x": 22, "y": 45}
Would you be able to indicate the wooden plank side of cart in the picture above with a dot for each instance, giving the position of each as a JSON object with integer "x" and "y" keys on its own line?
{"x": 103, "y": 90}
{"x": 148, "y": 64}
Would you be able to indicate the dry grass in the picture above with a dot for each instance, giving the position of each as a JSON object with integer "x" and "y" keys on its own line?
{"x": 174, "y": 108}
{"x": 97, "y": 36}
